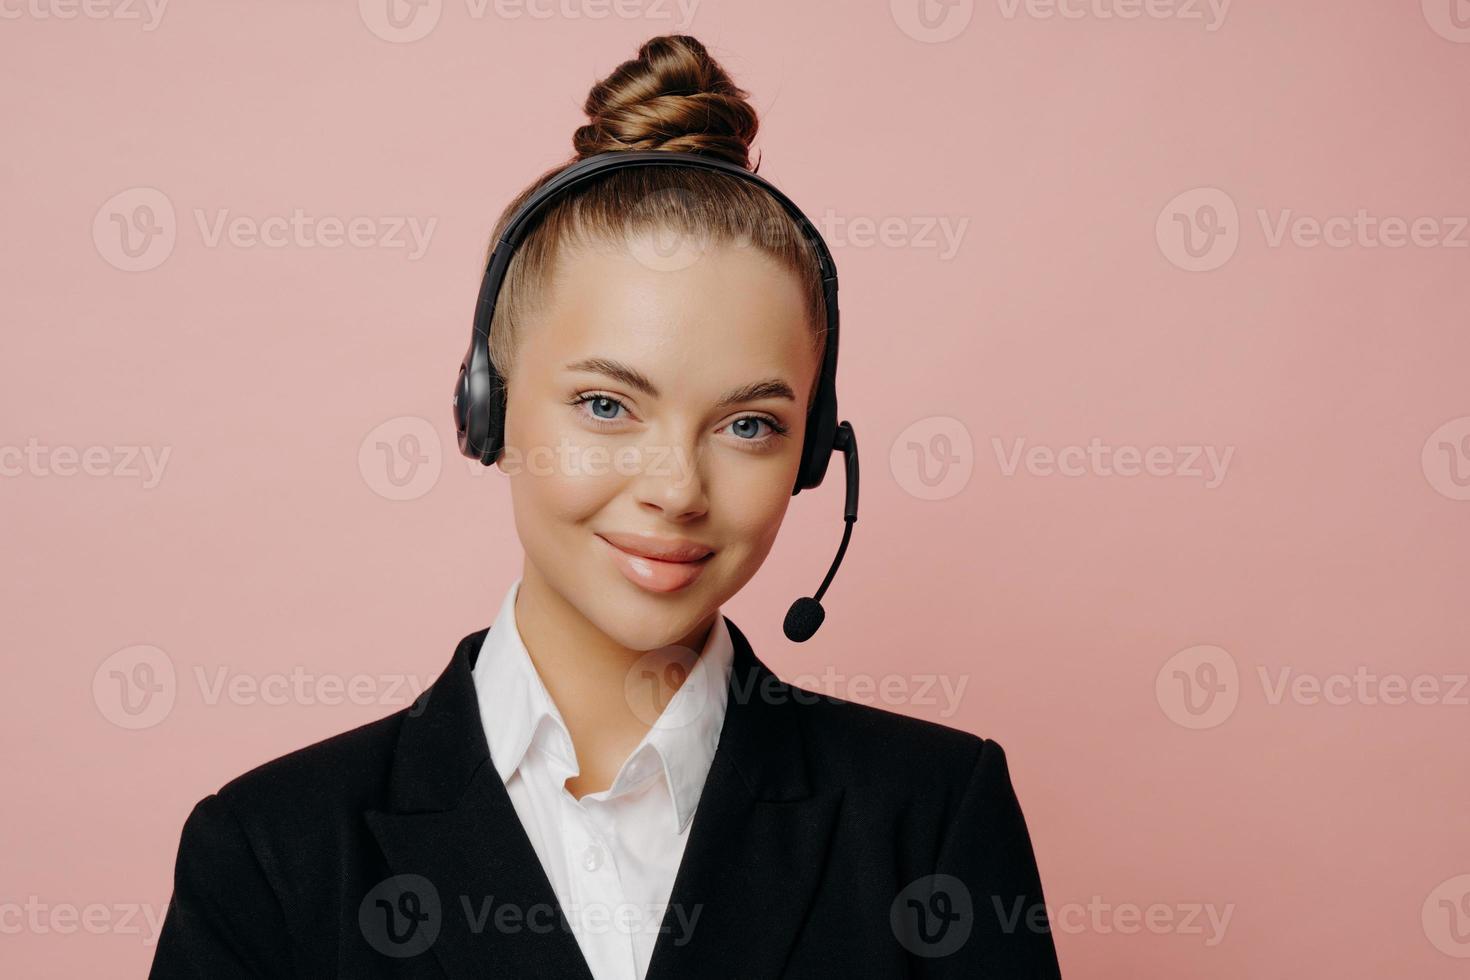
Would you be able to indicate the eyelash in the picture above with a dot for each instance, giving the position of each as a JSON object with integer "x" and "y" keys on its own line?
{"x": 777, "y": 429}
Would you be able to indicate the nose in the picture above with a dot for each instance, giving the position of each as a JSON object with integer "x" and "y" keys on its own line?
{"x": 672, "y": 481}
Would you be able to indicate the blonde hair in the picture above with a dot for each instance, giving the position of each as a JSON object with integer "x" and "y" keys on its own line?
{"x": 673, "y": 96}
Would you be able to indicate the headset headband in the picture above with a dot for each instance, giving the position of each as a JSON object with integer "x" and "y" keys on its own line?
{"x": 595, "y": 166}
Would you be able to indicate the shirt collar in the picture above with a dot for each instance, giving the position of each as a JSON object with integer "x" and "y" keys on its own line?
{"x": 517, "y": 712}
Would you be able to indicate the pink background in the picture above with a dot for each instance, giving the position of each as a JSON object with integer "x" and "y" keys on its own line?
{"x": 1333, "y": 835}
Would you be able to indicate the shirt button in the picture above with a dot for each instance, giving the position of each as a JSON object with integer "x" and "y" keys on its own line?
{"x": 592, "y": 857}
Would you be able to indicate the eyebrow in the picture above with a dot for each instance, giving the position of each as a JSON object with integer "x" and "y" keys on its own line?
{"x": 633, "y": 378}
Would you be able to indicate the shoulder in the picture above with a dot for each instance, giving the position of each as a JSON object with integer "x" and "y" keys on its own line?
{"x": 348, "y": 772}
{"x": 861, "y": 745}
{"x": 317, "y": 788}
{"x": 261, "y": 859}
{"x": 354, "y": 762}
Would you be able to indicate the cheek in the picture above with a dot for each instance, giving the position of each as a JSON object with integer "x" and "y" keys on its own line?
{"x": 553, "y": 488}
{"x": 550, "y": 464}
{"x": 752, "y": 506}
{"x": 544, "y": 493}
{"x": 554, "y": 514}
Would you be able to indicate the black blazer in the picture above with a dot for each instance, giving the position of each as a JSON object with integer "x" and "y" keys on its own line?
{"x": 831, "y": 839}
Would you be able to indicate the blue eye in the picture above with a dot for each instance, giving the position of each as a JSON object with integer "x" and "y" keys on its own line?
{"x": 750, "y": 421}
{"x": 602, "y": 402}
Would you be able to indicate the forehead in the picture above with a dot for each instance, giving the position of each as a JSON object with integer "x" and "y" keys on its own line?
{"x": 704, "y": 319}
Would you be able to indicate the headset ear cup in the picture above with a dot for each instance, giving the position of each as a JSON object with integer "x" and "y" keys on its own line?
{"x": 494, "y": 420}
{"x": 472, "y": 403}
{"x": 467, "y": 412}
{"x": 820, "y": 435}
{"x": 821, "y": 432}
{"x": 461, "y": 405}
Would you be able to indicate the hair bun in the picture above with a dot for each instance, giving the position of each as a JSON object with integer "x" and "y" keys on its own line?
{"x": 673, "y": 96}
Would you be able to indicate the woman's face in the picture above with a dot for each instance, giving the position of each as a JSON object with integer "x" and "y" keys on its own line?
{"x": 657, "y": 405}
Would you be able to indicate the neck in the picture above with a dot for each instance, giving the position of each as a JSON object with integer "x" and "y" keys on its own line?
{"x": 586, "y": 672}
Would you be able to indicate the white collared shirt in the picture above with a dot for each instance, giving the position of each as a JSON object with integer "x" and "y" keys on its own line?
{"x": 611, "y": 856}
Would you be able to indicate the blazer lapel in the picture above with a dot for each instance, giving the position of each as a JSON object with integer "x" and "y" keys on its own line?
{"x": 750, "y": 868}
{"x": 451, "y": 823}
{"x": 757, "y": 844}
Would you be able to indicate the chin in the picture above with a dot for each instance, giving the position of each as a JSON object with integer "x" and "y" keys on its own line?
{"x": 643, "y": 621}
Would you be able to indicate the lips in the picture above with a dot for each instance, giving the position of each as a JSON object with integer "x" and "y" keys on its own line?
{"x": 657, "y": 564}
{"x": 662, "y": 549}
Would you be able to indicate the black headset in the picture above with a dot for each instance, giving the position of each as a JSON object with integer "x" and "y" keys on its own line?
{"x": 479, "y": 393}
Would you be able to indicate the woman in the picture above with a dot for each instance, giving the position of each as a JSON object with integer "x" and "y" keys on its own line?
{"x": 607, "y": 781}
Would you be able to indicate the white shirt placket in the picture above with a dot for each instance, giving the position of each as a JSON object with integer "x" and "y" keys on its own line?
{"x": 596, "y": 885}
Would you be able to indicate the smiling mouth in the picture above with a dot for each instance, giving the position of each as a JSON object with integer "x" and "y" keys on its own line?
{"x": 659, "y": 575}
